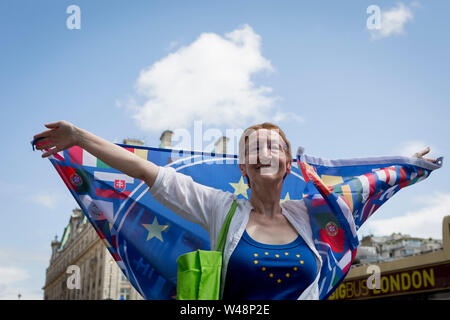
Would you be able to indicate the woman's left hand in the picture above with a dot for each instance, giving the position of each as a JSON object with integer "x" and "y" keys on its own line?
{"x": 420, "y": 155}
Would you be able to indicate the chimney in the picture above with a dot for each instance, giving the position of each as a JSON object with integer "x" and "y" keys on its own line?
{"x": 55, "y": 245}
{"x": 133, "y": 142}
{"x": 166, "y": 139}
{"x": 221, "y": 145}
{"x": 75, "y": 219}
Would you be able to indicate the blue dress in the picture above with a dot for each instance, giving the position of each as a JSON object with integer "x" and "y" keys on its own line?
{"x": 269, "y": 272}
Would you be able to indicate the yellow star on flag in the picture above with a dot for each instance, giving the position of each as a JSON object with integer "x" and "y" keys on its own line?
{"x": 155, "y": 229}
{"x": 240, "y": 188}
{"x": 287, "y": 197}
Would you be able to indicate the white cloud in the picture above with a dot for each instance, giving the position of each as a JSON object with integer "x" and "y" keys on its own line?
{"x": 16, "y": 269}
{"x": 8, "y": 292}
{"x": 283, "y": 116}
{"x": 46, "y": 200}
{"x": 424, "y": 222}
{"x": 393, "y": 21}
{"x": 208, "y": 80}
{"x": 10, "y": 275}
{"x": 17, "y": 257}
{"x": 172, "y": 45}
{"x": 410, "y": 147}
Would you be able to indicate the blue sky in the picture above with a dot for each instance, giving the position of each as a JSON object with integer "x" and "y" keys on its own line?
{"x": 132, "y": 70}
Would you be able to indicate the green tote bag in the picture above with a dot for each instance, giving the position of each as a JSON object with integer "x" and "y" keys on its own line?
{"x": 199, "y": 272}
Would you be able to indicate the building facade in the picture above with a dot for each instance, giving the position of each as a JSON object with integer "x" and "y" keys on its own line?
{"x": 389, "y": 248}
{"x": 81, "y": 268}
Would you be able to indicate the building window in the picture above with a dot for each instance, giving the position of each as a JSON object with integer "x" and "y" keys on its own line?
{"x": 124, "y": 293}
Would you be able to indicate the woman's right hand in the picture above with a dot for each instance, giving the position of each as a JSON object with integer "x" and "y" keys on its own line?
{"x": 60, "y": 136}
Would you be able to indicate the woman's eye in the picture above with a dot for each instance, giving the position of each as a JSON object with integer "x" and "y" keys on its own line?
{"x": 275, "y": 147}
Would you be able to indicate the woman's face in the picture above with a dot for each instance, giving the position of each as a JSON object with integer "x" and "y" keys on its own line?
{"x": 265, "y": 157}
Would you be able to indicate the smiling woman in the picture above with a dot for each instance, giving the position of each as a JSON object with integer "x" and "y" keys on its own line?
{"x": 283, "y": 264}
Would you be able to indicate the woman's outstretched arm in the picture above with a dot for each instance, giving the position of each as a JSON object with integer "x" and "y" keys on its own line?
{"x": 63, "y": 135}
{"x": 192, "y": 201}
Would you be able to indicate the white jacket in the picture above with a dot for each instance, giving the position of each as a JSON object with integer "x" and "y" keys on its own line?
{"x": 209, "y": 207}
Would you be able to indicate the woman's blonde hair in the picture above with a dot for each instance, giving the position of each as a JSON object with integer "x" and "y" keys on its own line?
{"x": 268, "y": 126}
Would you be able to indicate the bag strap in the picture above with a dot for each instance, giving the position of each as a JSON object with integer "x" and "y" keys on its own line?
{"x": 224, "y": 231}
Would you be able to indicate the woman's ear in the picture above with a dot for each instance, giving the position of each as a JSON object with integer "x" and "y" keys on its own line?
{"x": 244, "y": 173}
{"x": 288, "y": 167}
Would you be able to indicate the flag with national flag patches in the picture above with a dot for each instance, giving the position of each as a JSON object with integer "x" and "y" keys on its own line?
{"x": 145, "y": 238}
{"x": 342, "y": 195}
